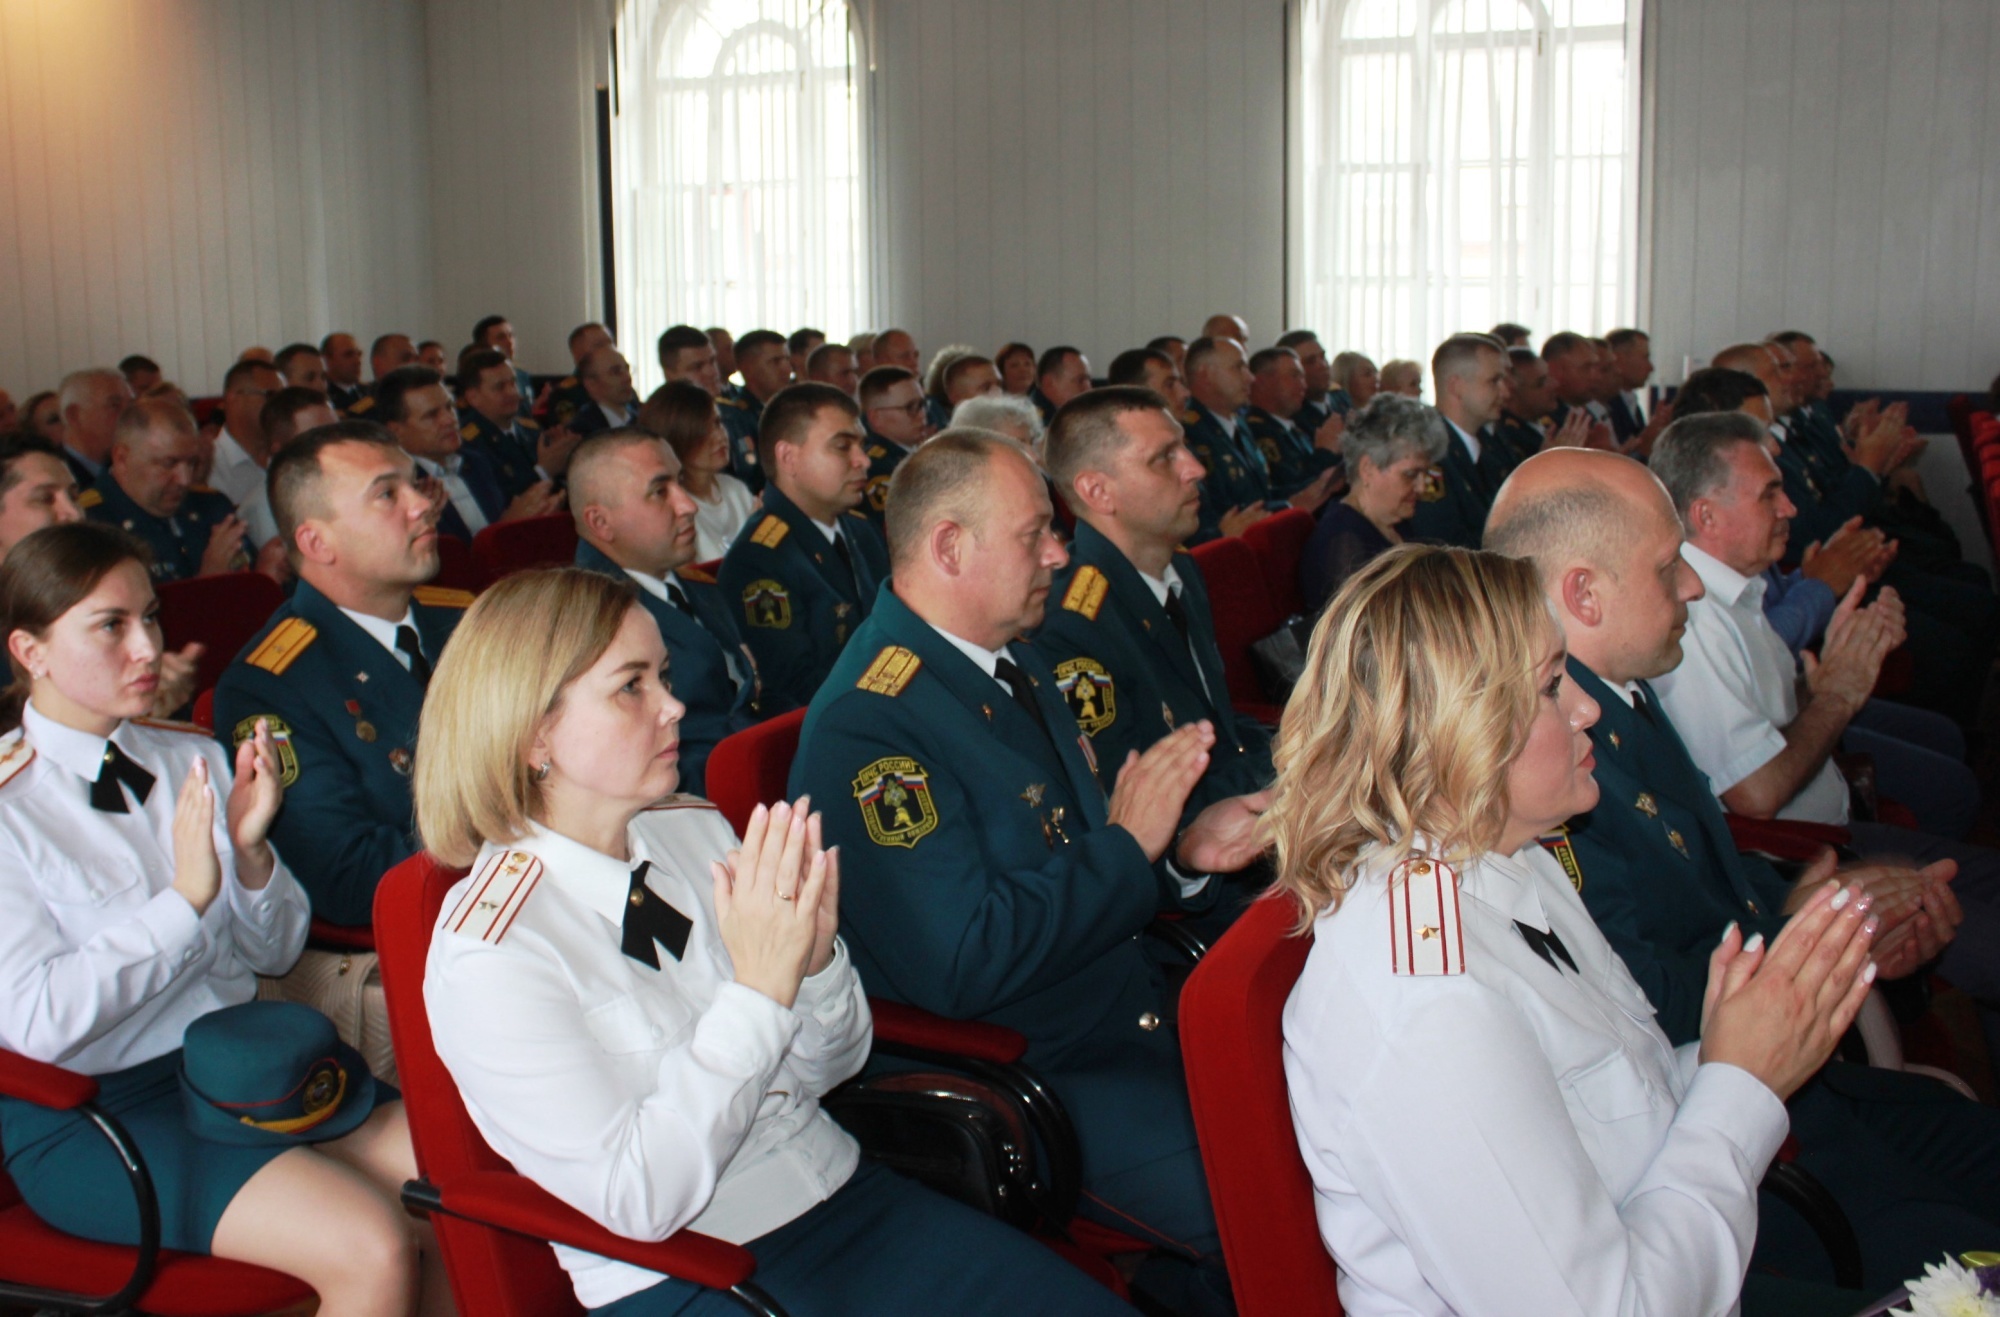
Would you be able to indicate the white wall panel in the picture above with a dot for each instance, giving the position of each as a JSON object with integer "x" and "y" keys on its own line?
{"x": 1097, "y": 173}
{"x": 1817, "y": 164}
{"x": 185, "y": 178}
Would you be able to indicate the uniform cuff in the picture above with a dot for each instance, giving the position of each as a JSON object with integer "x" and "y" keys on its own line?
{"x": 1740, "y": 1107}
{"x": 172, "y": 921}
{"x": 744, "y": 1032}
{"x": 826, "y": 988}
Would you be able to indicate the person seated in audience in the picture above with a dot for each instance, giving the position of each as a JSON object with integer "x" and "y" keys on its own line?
{"x": 937, "y": 405}
{"x": 634, "y": 519}
{"x": 1526, "y": 426}
{"x": 648, "y": 1034}
{"x": 896, "y": 422}
{"x": 1061, "y": 372}
{"x": 497, "y": 332}
{"x": 1491, "y": 1118}
{"x": 864, "y": 351}
{"x": 685, "y": 415}
{"x": 342, "y": 354}
{"x": 898, "y": 347}
{"x": 1151, "y": 368}
{"x": 1236, "y": 491}
{"x": 141, "y": 373}
{"x": 91, "y": 402}
{"x": 142, "y": 897}
{"x": 1356, "y": 382}
{"x": 1951, "y": 621}
{"x": 833, "y": 363}
{"x": 969, "y": 376}
{"x": 1472, "y": 382}
{"x": 1174, "y": 346}
{"x": 1016, "y": 364}
{"x": 685, "y": 353}
{"x": 302, "y": 366}
{"x": 1512, "y": 336}
{"x": 1224, "y": 325}
{"x": 724, "y": 344}
{"x": 1631, "y": 368}
{"x": 414, "y": 406}
{"x": 36, "y": 489}
{"x": 491, "y": 424}
{"x": 1129, "y": 633}
{"x": 807, "y": 572}
{"x": 149, "y": 491}
{"x": 1766, "y": 745}
{"x": 41, "y": 415}
{"x": 1294, "y": 458}
{"x": 564, "y": 398}
{"x": 1574, "y": 375}
{"x": 387, "y": 355}
{"x": 1390, "y": 449}
{"x": 1911, "y": 1163}
{"x": 1010, "y": 414}
{"x": 766, "y": 368}
{"x": 241, "y": 452}
{"x": 1404, "y": 377}
{"x": 985, "y": 876}
{"x": 339, "y": 671}
{"x": 287, "y": 414}
{"x": 609, "y": 400}
{"x": 799, "y": 345}
{"x": 1313, "y": 363}
{"x": 431, "y": 355}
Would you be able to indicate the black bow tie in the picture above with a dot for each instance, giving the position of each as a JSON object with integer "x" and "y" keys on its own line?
{"x": 1546, "y": 945}
{"x": 649, "y": 919}
{"x": 118, "y": 767}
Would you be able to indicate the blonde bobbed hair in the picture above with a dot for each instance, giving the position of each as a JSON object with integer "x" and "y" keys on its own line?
{"x": 512, "y": 657}
{"x": 1418, "y": 693}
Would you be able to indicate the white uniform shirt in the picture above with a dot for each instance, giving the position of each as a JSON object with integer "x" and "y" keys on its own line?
{"x": 234, "y": 471}
{"x": 717, "y": 520}
{"x": 1736, "y": 690}
{"x": 455, "y": 489}
{"x": 646, "y": 1099}
{"x": 1509, "y": 1137}
{"x": 102, "y": 964}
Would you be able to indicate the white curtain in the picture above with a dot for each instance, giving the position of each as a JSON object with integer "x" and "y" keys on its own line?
{"x": 736, "y": 168}
{"x": 1461, "y": 163}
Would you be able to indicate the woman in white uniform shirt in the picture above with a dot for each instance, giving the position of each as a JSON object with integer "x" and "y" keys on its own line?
{"x": 139, "y": 894}
{"x": 640, "y": 1011}
{"x": 687, "y": 418}
{"x": 1492, "y": 1120}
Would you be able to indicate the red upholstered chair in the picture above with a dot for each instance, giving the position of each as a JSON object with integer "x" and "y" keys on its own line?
{"x": 221, "y": 612}
{"x": 491, "y": 1222}
{"x": 1232, "y": 1042}
{"x": 456, "y": 569}
{"x": 1279, "y": 541}
{"x": 507, "y": 547}
{"x": 204, "y": 710}
{"x": 47, "y": 1270}
{"x": 750, "y": 768}
{"x": 1959, "y": 408}
{"x": 1244, "y": 614}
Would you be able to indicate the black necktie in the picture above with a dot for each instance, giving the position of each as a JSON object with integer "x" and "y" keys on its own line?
{"x": 846, "y": 560}
{"x": 1546, "y": 945}
{"x": 1024, "y": 694}
{"x": 420, "y": 667}
{"x": 1642, "y": 704}
{"x": 1177, "y": 612}
{"x": 118, "y": 767}
{"x": 679, "y": 600}
{"x": 649, "y": 919}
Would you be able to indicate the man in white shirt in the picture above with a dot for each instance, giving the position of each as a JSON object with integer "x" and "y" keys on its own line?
{"x": 240, "y": 450}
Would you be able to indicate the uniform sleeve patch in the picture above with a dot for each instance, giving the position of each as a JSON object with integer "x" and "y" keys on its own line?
{"x": 770, "y": 532}
{"x": 895, "y": 799}
{"x": 1425, "y": 938}
{"x": 494, "y": 896}
{"x": 767, "y": 604}
{"x": 281, "y": 741}
{"x": 891, "y": 671}
{"x": 282, "y": 647}
{"x": 437, "y": 596}
{"x": 1090, "y": 693}
{"x": 1557, "y": 843}
{"x": 90, "y": 498}
{"x": 1086, "y": 592}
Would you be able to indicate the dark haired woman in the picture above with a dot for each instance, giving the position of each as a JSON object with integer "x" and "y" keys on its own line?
{"x": 685, "y": 416}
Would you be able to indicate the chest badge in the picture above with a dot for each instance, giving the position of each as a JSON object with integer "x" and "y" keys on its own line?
{"x": 1616, "y": 744}
{"x": 1678, "y": 842}
{"x": 1646, "y": 805}
{"x": 1052, "y": 827}
{"x": 1034, "y": 793}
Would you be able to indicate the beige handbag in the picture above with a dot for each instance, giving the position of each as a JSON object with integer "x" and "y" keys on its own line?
{"x": 346, "y": 987}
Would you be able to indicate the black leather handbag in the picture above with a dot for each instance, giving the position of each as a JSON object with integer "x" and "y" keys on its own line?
{"x": 957, "y": 1135}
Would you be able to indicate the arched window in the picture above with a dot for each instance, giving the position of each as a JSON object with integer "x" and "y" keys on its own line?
{"x": 1463, "y": 162}
{"x": 736, "y": 148}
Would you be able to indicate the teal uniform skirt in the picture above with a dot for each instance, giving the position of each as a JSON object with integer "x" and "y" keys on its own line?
{"x": 67, "y": 1172}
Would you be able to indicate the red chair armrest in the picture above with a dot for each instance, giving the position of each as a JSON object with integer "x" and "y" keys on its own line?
{"x": 911, "y": 1026}
{"x": 340, "y": 937}
{"x": 512, "y": 1202}
{"x": 1785, "y": 838}
{"x": 43, "y": 1084}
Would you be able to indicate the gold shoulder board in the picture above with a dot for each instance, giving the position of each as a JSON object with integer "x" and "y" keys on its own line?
{"x": 283, "y": 646}
{"x": 437, "y": 596}
{"x": 1086, "y": 592}
{"x": 890, "y": 672}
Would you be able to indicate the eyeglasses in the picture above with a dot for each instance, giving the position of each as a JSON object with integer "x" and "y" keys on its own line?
{"x": 914, "y": 410}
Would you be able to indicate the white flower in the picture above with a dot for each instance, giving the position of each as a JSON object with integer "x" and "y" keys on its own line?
{"x": 1949, "y": 1290}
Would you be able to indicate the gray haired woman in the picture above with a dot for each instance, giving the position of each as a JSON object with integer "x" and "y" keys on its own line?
{"x": 1390, "y": 447}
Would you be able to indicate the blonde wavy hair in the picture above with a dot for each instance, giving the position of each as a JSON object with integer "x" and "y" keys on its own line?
{"x": 513, "y": 656}
{"x": 1418, "y": 692}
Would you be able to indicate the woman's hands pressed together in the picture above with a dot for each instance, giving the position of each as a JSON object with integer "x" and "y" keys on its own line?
{"x": 253, "y": 804}
{"x": 777, "y": 901}
{"x": 197, "y": 868}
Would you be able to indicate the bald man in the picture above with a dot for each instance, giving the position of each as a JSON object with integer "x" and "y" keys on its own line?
{"x": 634, "y": 520}
{"x": 91, "y": 402}
{"x": 1224, "y": 325}
{"x": 983, "y": 873}
{"x": 896, "y": 347}
{"x": 1656, "y": 865}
